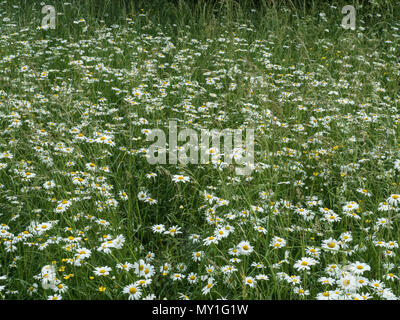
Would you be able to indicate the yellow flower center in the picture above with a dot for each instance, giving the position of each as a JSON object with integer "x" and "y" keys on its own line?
{"x": 132, "y": 290}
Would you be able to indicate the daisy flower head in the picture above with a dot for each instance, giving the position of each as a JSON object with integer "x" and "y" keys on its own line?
{"x": 192, "y": 278}
{"x": 196, "y": 256}
{"x": 207, "y": 288}
{"x": 313, "y": 252}
{"x": 304, "y": 263}
{"x": 133, "y": 291}
{"x": 262, "y": 277}
{"x": 211, "y": 239}
{"x": 300, "y": 291}
{"x": 194, "y": 237}
{"x": 165, "y": 268}
{"x": 90, "y": 166}
{"x": 330, "y": 244}
{"x": 174, "y": 230}
{"x": 350, "y": 206}
{"x": 250, "y": 281}
{"x": 125, "y": 266}
{"x": 245, "y": 248}
{"x": 158, "y": 228}
{"x": 102, "y": 271}
{"x": 277, "y": 242}
{"x": 179, "y": 178}
{"x": 394, "y": 199}
{"x": 49, "y": 185}
{"x": 397, "y": 164}
{"x": 359, "y": 267}
{"x": 348, "y": 282}
{"x": 228, "y": 269}
{"x": 142, "y": 195}
{"x": 123, "y": 195}
{"x": 143, "y": 282}
{"x": 177, "y": 277}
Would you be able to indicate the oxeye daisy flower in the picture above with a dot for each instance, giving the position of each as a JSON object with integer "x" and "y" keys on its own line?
{"x": 149, "y": 256}
{"x": 196, "y": 256}
{"x": 260, "y": 229}
{"x": 158, "y": 228}
{"x": 49, "y": 185}
{"x": 346, "y": 237}
{"x": 326, "y": 295}
{"x": 102, "y": 271}
{"x": 165, "y": 269}
{"x": 194, "y": 237}
{"x": 397, "y": 164}
{"x": 211, "y": 239}
{"x": 143, "y": 282}
{"x": 210, "y": 283}
{"x": 304, "y": 263}
{"x": 90, "y": 166}
{"x": 262, "y": 277}
{"x": 150, "y": 296}
{"x": 174, "y": 230}
{"x": 228, "y": 269}
{"x": 142, "y": 195}
{"x": 359, "y": 267}
{"x": 250, "y": 281}
{"x": 245, "y": 248}
{"x": 151, "y": 175}
{"x": 326, "y": 281}
{"x": 181, "y": 267}
{"x": 313, "y": 252}
{"x": 60, "y": 287}
{"x": 383, "y": 222}
{"x": 82, "y": 253}
{"x": 151, "y": 200}
{"x": 54, "y": 297}
{"x": 293, "y": 279}
{"x": 350, "y": 206}
{"x": 392, "y": 244}
{"x": 139, "y": 267}
{"x": 331, "y": 217}
{"x": 177, "y": 276}
{"x": 210, "y": 269}
{"x": 391, "y": 277}
{"x": 192, "y": 278}
{"x": 394, "y": 199}
{"x": 277, "y": 242}
{"x": 180, "y": 178}
{"x": 123, "y": 195}
{"x": 125, "y": 266}
{"x": 300, "y": 291}
{"x": 221, "y": 233}
{"x": 133, "y": 291}
{"x": 364, "y": 192}
{"x": 379, "y": 243}
{"x": 376, "y": 284}
{"x": 331, "y": 244}
{"x": 32, "y": 289}
{"x": 384, "y": 206}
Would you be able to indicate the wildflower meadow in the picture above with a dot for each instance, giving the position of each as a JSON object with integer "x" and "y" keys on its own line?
{"x": 242, "y": 150}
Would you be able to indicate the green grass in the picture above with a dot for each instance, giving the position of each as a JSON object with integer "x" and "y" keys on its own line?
{"x": 324, "y": 105}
